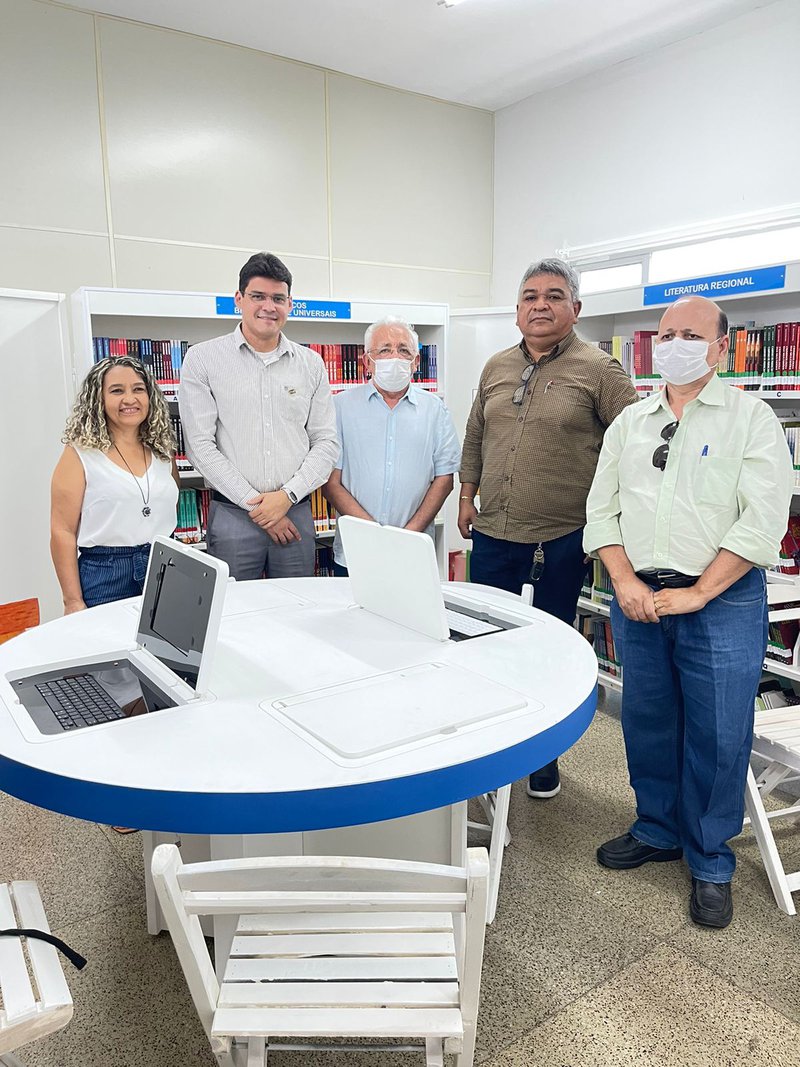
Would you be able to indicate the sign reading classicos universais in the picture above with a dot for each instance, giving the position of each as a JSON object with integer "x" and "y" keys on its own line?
{"x": 717, "y": 285}
{"x": 301, "y": 309}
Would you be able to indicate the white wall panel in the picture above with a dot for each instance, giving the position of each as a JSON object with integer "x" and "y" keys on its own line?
{"x": 52, "y": 173}
{"x": 54, "y": 262}
{"x": 212, "y": 143}
{"x": 358, "y": 281}
{"x": 411, "y": 178}
{"x": 151, "y": 265}
{"x": 702, "y": 129}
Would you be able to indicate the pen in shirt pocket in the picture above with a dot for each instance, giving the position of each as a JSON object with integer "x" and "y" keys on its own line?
{"x": 704, "y": 452}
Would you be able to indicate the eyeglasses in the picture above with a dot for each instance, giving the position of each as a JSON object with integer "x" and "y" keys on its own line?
{"x": 519, "y": 393}
{"x": 661, "y": 453}
{"x": 387, "y": 351}
{"x": 278, "y": 299}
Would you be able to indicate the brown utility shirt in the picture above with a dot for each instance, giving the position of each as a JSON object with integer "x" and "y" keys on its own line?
{"x": 534, "y": 462}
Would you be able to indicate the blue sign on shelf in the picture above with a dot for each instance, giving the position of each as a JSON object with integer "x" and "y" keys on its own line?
{"x": 717, "y": 285}
{"x": 301, "y": 309}
{"x": 320, "y": 309}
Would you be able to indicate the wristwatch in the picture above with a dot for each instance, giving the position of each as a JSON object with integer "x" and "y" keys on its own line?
{"x": 292, "y": 496}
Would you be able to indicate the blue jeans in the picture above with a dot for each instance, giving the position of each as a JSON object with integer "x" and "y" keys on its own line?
{"x": 689, "y": 688}
{"x": 507, "y": 565}
{"x": 109, "y": 573}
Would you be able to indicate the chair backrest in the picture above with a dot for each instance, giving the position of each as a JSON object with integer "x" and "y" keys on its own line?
{"x": 27, "y": 1011}
{"x": 18, "y": 616}
{"x": 297, "y": 884}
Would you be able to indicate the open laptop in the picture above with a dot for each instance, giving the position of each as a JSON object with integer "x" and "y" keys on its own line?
{"x": 176, "y": 636}
{"x": 394, "y": 574}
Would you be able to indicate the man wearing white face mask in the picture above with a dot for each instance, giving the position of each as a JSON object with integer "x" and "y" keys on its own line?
{"x": 688, "y": 505}
{"x": 399, "y": 447}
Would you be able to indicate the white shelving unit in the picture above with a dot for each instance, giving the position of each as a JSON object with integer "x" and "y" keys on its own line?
{"x": 193, "y": 317}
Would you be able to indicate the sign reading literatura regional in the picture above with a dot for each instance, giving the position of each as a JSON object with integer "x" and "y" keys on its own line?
{"x": 717, "y": 285}
{"x": 301, "y": 309}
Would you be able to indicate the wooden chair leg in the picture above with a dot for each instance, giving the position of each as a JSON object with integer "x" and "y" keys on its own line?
{"x": 499, "y": 839}
{"x": 766, "y": 845}
{"x": 434, "y": 1052}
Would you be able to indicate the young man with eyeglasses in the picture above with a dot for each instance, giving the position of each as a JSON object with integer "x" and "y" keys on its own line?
{"x": 258, "y": 421}
{"x": 689, "y": 504}
{"x": 399, "y": 448}
{"x": 532, "y": 441}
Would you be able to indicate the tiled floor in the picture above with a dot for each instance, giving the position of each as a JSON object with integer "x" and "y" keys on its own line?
{"x": 584, "y": 967}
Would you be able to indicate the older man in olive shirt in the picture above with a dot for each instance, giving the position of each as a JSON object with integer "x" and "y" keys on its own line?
{"x": 531, "y": 444}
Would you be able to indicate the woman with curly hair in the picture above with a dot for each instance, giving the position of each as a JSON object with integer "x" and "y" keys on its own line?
{"x": 115, "y": 486}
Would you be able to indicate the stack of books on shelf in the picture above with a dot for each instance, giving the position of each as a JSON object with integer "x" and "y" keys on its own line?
{"x": 790, "y": 548}
{"x": 598, "y": 585}
{"x": 323, "y": 562}
{"x": 598, "y": 633}
{"x": 764, "y": 357}
{"x": 344, "y": 365}
{"x": 792, "y": 432}
{"x": 163, "y": 358}
{"x": 636, "y": 356}
{"x": 181, "y": 459}
{"x": 193, "y": 507}
{"x": 324, "y": 514}
{"x": 782, "y": 640}
{"x": 771, "y": 694}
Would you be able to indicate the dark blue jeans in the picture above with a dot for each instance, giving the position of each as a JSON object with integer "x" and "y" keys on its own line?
{"x": 689, "y": 688}
{"x": 507, "y": 565}
{"x": 109, "y": 573}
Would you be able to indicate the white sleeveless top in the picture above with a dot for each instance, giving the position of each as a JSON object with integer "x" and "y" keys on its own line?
{"x": 112, "y": 504}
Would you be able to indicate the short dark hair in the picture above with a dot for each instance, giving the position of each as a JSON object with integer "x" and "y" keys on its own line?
{"x": 722, "y": 324}
{"x": 264, "y": 265}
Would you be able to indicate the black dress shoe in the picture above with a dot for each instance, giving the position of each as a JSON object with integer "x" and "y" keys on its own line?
{"x": 624, "y": 853}
{"x": 711, "y": 903}
{"x": 544, "y": 783}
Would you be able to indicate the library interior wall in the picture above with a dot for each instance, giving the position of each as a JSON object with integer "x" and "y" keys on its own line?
{"x": 147, "y": 158}
{"x": 702, "y": 129}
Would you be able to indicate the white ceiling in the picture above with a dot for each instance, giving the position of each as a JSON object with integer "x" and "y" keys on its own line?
{"x": 486, "y": 53}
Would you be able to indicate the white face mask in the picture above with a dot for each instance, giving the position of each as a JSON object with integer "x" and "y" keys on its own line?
{"x": 392, "y": 374}
{"x": 681, "y": 362}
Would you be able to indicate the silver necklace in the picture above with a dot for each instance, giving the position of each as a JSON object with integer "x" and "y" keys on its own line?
{"x": 145, "y": 499}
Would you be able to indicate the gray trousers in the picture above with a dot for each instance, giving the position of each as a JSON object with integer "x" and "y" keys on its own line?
{"x": 249, "y": 551}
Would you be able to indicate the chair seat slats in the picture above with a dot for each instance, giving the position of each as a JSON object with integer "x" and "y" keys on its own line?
{"x": 336, "y": 968}
{"x": 18, "y": 998}
{"x": 314, "y": 921}
{"x": 345, "y": 943}
{"x": 339, "y": 994}
{"x": 323, "y": 1022}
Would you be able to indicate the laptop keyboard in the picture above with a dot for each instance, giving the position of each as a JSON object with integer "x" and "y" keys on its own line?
{"x": 79, "y": 701}
{"x": 468, "y": 625}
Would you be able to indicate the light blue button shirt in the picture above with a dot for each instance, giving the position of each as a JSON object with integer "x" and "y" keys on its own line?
{"x": 390, "y": 456}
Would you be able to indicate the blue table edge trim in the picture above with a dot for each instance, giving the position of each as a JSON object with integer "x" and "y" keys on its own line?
{"x": 302, "y": 810}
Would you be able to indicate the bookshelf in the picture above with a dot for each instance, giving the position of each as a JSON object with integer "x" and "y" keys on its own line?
{"x": 134, "y": 314}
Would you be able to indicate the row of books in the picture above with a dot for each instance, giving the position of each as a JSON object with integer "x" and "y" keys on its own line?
{"x": 598, "y": 633}
{"x": 792, "y": 432}
{"x": 343, "y": 363}
{"x": 598, "y": 585}
{"x": 193, "y": 505}
{"x": 789, "y": 562}
{"x": 181, "y": 459}
{"x": 782, "y": 640}
{"x": 764, "y": 357}
{"x": 323, "y": 513}
{"x": 323, "y": 562}
{"x": 636, "y": 356}
{"x": 773, "y": 694}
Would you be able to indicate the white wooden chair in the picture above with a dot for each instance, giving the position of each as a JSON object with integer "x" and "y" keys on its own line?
{"x": 28, "y": 1011}
{"x": 776, "y": 738}
{"x": 331, "y": 947}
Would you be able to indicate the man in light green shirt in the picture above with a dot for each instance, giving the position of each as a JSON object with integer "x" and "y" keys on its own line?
{"x": 688, "y": 505}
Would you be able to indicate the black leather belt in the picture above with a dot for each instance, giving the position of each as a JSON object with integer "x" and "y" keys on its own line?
{"x": 224, "y": 500}
{"x": 661, "y": 579}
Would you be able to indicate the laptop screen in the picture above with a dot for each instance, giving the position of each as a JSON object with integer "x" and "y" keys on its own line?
{"x": 176, "y": 608}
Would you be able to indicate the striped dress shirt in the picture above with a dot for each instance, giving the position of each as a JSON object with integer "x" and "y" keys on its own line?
{"x": 254, "y": 424}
